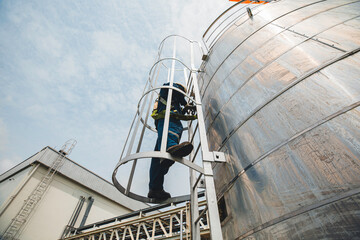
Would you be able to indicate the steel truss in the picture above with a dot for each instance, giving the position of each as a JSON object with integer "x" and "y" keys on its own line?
{"x": 171, "y": 224}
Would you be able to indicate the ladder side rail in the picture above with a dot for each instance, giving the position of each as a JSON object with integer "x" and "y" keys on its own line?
{"x": 215, "y": 226}
{"x": 194, "y": 201}
{"x": 211, "y": 197}
{"x": 195, "y": 228}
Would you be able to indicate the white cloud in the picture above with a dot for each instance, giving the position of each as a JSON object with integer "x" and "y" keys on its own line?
{"x": 193, "y": 18}
{"x": 69, "y": 67}
{"x": 3, "y": 136}
{"x": 82, "y": 69}
{"x": 5, "y": 162}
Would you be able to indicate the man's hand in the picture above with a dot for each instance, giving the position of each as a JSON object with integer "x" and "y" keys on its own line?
{"x": 189, "y": 109}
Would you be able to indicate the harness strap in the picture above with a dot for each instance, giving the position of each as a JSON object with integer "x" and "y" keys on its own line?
{"x": 158, "y": 115}
{"x": 163, "y": 101}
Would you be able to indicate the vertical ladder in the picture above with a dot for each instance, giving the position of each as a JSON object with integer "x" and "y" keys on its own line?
{"x": 18, "y": 222}
{"x": 198, "y": 173}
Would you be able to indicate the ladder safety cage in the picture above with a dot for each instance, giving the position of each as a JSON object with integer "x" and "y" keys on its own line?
{"x": 172, "y": 69}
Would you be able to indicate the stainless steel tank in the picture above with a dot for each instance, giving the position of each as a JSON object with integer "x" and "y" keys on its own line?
{"x": 281, "y": 96}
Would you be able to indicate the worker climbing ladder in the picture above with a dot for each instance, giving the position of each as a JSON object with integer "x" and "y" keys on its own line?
{"x": 173, "y": 69}
{"x": 21, "y": 218}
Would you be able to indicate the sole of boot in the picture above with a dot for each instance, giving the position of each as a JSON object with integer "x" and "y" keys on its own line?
{"x": 181, "y": 150}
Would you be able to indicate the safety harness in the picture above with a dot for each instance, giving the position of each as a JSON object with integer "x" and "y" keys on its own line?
{"x": 173, "y": 112}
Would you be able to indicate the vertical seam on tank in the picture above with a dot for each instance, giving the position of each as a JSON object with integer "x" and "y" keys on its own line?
{"x": 301, "y": 133}
{"x": 287, "y": 29}
{"x": 267, "y": 64}
{"x": 305, "y": 76}
{"x": 302, "y": 210}
{"x": 256, "y": 32}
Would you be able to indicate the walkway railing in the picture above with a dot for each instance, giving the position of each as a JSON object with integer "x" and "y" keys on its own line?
{"x": 171, "y": 224}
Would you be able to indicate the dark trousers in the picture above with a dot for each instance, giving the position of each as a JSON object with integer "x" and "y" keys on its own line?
{"x": 158, "y": 168}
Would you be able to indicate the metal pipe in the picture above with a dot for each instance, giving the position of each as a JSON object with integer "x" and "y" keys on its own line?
{"x": 77, "y": 211}
{"x": 87, "y": 211}
{"x": 168, "y": 105}
{"x": 181, "y": 224}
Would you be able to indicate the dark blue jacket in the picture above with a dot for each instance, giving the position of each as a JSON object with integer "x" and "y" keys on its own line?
{"x": 177, "y": 98}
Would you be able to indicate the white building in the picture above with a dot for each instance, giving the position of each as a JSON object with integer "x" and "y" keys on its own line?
{"x": 75, "y": 197}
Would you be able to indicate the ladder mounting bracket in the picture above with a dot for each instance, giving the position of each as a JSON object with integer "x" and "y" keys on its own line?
{"x": 201, "y": 184}
{"x": 219, "y": 157}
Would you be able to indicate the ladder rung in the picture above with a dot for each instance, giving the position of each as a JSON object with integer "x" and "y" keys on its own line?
{"x": 197, "y": 181}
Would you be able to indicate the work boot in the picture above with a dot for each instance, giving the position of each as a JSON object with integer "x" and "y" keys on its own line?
{"x": 159, "y": 194}
{"x": 180, "y": 150}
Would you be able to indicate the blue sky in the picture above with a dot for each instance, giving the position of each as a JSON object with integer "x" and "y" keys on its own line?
{"x": 76, "y": 69}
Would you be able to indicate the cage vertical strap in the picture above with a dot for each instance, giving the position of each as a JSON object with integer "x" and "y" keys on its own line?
{"x": 168, "y": 105}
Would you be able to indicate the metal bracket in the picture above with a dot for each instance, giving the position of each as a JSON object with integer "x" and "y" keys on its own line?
{"x": 201, "y": 184}
{"x": 249, "y": 12}
{"x": 219, "y": 157}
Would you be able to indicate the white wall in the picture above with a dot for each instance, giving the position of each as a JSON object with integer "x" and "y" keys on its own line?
{"x": 9, "y": 186}
{"x": 56, "y": 208}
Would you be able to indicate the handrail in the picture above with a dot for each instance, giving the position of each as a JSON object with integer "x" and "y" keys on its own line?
{"x": 132, "y": 214}
{"x": 98, "y": 229}
{"x": 223, "y": 22}
{"x": 221, "y": 16}
{"x": 214, "y": 39}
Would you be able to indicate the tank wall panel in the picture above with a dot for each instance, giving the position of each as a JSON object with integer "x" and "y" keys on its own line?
{"x": 281, "y": 96}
